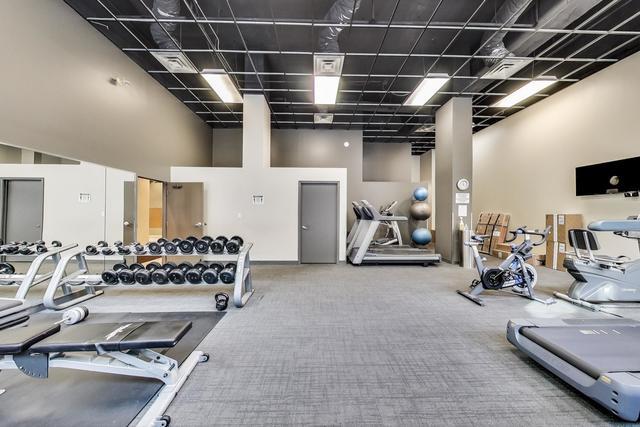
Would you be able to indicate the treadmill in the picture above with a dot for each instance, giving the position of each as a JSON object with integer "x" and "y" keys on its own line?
{"x": 363, "y": 251}
{"x": 597, "y": 357}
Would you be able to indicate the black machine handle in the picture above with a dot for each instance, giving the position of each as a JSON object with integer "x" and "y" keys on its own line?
{"x": 520, "y": 231}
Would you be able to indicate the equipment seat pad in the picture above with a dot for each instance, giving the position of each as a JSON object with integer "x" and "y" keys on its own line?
{"x": 21, "y": 338}
{"x": 114, "y": 337}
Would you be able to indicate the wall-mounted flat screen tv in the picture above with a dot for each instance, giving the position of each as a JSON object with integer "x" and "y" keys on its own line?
{"x": 608, "y": 178}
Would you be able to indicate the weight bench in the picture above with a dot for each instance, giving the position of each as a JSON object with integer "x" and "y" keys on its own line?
{"x": 113, "y": 348}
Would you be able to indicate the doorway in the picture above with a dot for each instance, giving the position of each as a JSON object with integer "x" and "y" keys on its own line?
{"x": 318, "y": 219}
{"x": 22, "y": 209}
{"x": 149, "y": 210}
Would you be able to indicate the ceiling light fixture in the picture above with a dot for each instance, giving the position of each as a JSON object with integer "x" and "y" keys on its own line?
{"x": 429, "y": 86}
{"x": 222, "y": 84}
{"x": 327, "y": 70}
{"x": 525, "y": 92}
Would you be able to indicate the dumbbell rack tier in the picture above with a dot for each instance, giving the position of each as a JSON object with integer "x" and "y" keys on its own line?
{"x": 242, "y": 286}
{"x": 35, "y": 276}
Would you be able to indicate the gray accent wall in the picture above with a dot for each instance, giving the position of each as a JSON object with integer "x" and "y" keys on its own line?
{"x": 56, "y": 97}
{"x": 227, "y": 148}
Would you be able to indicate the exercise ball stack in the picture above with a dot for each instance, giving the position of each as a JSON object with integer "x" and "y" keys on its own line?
{"x": 420, "y": 212}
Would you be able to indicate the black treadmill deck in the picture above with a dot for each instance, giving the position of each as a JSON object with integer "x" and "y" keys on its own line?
{"x": 594, "y": 349}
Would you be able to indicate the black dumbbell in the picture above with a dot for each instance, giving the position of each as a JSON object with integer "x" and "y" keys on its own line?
{"x": 138, "y": 249}
{"x": 143, "y": 275}
{"x": 56, "y": 243}
{"x": 217, "y": 245}
{"x": 210, "y": 275}
{"x": 176, "y": 276}
{"x": 161, "y": 275}
{"x": 91, "y": 250}
{"x": 228, "y": 275}
{"x": 110, "y": 277}
{"x": 154, "y": 248}
{"x": 107, "y": 251}
{"x": 40, "y": 249}
{"x": 201, "y": 246}
{"x": 162, "y": 241}
{"x": 127, "y": 275}
{"x": 186, "y": 246}
{"x": 102, "y": 244}
{"x": 234, "y": 245}
{"x": 176, "y": 240}
{"x": 208, "y": 239}
{"x": 25, "y": 251}
{"x": 6, "y": 268}
{"x": 123, "y": 250}
{"x": 170, "y": 248}
{"x": 194, "y": 275}
{"x": 118, "y": 243}
{"x": 192, "y": 239}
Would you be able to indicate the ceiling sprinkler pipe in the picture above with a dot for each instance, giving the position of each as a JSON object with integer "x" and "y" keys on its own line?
{"x": 340, "y": 13}
{"x": 165, "y": 9}
{"x": 493, "y": 42}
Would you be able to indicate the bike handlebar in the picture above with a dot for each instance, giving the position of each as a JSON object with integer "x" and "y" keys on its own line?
{"x": 522, "y": 231}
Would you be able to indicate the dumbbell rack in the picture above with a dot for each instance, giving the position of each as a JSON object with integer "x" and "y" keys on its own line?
{"x": 19, "y": 306}
{"x": 242, "y": 286}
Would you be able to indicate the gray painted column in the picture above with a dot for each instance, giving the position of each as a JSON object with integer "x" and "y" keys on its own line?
{"x": 256, "y": 133}
{"x": 454, "y": 161}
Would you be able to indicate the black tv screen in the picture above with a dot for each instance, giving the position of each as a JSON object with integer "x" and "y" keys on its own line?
{"x": 608, "y": 178}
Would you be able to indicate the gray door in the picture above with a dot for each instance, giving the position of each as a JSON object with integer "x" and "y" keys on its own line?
{"x": 23, "y": 202}
{"x": 129, "y": 214}
{"x": 318, "y": 223}
{"x": 185, "y": 210}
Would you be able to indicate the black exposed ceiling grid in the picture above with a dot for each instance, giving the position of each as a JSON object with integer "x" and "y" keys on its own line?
{"x": 389, "y": 45}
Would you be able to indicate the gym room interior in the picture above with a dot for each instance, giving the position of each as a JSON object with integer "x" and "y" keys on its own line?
{"x": 319, "y": 212}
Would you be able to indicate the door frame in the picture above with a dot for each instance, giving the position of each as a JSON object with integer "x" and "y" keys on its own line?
{"x": 3, "y": 205}
{"x": 300, "y": 184}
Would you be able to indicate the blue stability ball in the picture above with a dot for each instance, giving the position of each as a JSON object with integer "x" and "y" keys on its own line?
{"x": 420, "y": 194}
{"x": 421, "y": 236}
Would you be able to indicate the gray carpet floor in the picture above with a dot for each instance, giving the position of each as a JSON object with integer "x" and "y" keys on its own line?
{"x": 344, "y": 345}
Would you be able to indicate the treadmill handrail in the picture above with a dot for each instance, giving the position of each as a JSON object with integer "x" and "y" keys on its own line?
{"x": 615, "y": 225}
{"x": 378, "y": 217}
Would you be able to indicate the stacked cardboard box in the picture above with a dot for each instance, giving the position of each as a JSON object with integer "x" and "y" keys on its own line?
{"x": 558, "y": 241}
{"x": 494, "y": 225}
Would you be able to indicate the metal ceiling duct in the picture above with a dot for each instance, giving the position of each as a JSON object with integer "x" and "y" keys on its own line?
{"x": 341, "y": 14}
{"x": 507, "y": 15}
{"x": 165, "y": 9}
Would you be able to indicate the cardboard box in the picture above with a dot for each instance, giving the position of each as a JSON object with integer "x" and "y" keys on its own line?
{"x": 556, "y": 253}
{"x": 561, "y": 224}
{"x": 484, "y": 218}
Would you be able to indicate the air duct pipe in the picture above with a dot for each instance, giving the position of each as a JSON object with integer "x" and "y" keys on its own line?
{"x": 340, "y": 13}
{"x": 165, "y": 9}
{"x": 493, "y": 42}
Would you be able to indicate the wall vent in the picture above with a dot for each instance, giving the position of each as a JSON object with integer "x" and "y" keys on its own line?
{"x": 323, "y": 118}
{"x": 175, "y": 62}
{"x": 505, "y": 68}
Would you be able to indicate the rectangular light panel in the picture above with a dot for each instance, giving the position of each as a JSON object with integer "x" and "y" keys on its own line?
{"x": 222, "y": 84}
{"x": 429, "y": 86}
{"x": 525, "y": 92}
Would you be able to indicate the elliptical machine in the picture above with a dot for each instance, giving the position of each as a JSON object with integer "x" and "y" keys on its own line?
{"x": 513, "y": 272}
{"x": 601, "y": 278}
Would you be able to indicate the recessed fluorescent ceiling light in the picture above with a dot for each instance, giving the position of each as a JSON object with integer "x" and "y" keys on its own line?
{"x": 222, "y": 84}
{"x": 525, "y": 92}
{"x": 429, "y": 86}
{"x": 323, "y": 118}
{"x": 327, "y": 70}
{"x": 326, "y": 89}
{"x": 426, "y": 128}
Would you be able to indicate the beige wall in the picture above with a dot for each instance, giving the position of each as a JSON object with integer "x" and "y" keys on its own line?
{"x": 525, "y": 165}
{"x": 55, "y": 96}
{"x": 325, "y": 149}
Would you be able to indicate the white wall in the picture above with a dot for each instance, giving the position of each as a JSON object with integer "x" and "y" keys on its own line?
{"x": 525, "y": 164}
{"x": 272, "y": 227}
{"x": 65, "y": 218}
{"x": 56, "y": 96}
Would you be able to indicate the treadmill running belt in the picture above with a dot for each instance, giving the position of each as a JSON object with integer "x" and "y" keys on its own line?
{"x": 593, "y": 350}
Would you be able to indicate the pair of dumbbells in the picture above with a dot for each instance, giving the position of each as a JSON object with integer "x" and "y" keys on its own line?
{"x": 100, "y": 248}
{"x": 221, "y": 243}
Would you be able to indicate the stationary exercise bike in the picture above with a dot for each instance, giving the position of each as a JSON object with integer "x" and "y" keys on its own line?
{"x": 513, "y": 272}
{"x": 601, "y": 278}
